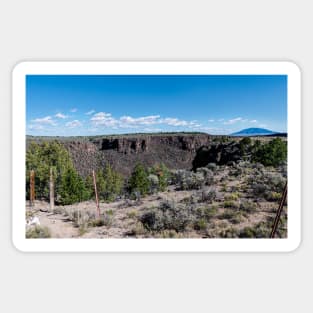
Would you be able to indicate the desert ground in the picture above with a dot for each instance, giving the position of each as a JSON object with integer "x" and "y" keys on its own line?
{"x": 240, "y": 201}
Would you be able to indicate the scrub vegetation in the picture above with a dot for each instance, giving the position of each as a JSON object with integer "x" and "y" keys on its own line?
{"x": 234, "y": 197}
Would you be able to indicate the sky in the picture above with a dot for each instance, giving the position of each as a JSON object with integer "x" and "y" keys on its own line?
{"x": 85, "y": 105}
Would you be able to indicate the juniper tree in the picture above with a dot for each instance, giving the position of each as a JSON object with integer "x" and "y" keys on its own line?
{"x": 139, "y": 181}
{"x": 272, "y": 153}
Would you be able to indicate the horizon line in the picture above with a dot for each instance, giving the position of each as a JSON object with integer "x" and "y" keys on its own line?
{"x": 158, "y": 133}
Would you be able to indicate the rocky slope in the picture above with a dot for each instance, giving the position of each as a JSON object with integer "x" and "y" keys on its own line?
{"x": 176, "y": 151}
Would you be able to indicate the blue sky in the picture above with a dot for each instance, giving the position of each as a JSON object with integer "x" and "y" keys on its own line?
{"x": 66, "y": 105}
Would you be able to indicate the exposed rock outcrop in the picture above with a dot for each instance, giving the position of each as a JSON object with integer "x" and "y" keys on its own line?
{"x": 177, "y": 151}
{"x": 143, "y": 143}
{"x": 222, "y": 153}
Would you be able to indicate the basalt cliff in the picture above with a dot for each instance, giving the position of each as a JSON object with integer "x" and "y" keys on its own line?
{"x": 123, "y": 152}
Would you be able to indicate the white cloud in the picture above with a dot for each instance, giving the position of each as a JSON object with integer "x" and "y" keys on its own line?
{"x": 45, "y": 120}
{"x": 60, "y": 115}
{"x": 233, "y": 121}
{"x": 152, "y": 129}
{"x": 236, "y": 120}
{"x": 90, "y": 112}
{"x": 211, "y": 120}
{"x": 73, "y": 124}
{"x": 215, "y": 130}
{"x": 104, "y": 119}
{"x": 35, "y": 127}
{"x": 137, "y": 121}
{"x": 100, "y": 116}
{"x": 194, "y": 124}
{"x": 107, "y": 120}
{"x": 92, "y": 129}
{"x": 73, "y": 110}
{"x": 174, "y": 122}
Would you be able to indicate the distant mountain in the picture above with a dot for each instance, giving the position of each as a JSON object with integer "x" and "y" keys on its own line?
{"x": 254, "y": 132}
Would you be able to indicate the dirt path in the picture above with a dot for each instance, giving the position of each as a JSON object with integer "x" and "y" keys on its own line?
{"x": 58, "y": 225}
{"x": 61, "y": 227}
{"x": 120, "y": 219}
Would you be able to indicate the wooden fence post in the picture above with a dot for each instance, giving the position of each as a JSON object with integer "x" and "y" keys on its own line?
{"x": 32, "y": 188}
{"x": 51, "y": 187}
{"x": 279, "y": 211}
{"x": 96, "y": 193}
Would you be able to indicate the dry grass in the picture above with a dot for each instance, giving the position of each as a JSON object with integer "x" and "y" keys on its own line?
{"x": 237, "y": 208}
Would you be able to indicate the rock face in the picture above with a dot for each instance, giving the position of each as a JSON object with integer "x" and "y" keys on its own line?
{"x": 139, "y": 144}
{"x": 223, "y": 153}
{"x": 176, "y": 151}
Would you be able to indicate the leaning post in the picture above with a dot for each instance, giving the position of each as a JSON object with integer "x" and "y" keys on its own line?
{"x": 96, "y": 193}
{"x": 279, "y": 211}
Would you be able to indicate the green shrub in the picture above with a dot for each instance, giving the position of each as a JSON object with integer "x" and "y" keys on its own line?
{"x": 206, "y": 213}
{"x": 38, "y": 232}
{"x": 169, "y": 234}
{"x": 247, "y": 232}
{"x": 108, "y": 218}
{"x": 154, "y": 183}
{"x": 272, "y": 153}
{"x": 231, "y": 204}
{"x": 71, "y": 188}
{"x": 260, "y": 230}
{"x": 139, "y": 181}
{"x": 187, "y": 180}
{"x": 248, "y": 206}
{"x": 232, "y": 197}
{"x": 207, "y": 174}
{"x": 81, "y": 218}
{"x": 132, "y": 214}
{"x": 137, "y": 230}
{"x": 109, "y": 184}
{"x": 82, "y": 229}
{"x": 169, "y": 215}
{"x": 97, "y": 222}
{"x": 234, "y": 217}
{"x": 265, "y": 183}
{"x": 244, "y": 145}
{"x": 224, "y": 139}
{"x": 272, "y": 196}
{"x": 200, "y": 224}
{"x": 229, "y": 233}
{"x": 224, "y": 187}
{"x": 43, "y": 157}
{"x": 163, "y": 174}
{"x": 208, "y": 194}
{"x": 259, "y": 189}
{"x": 246, "y": 141}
